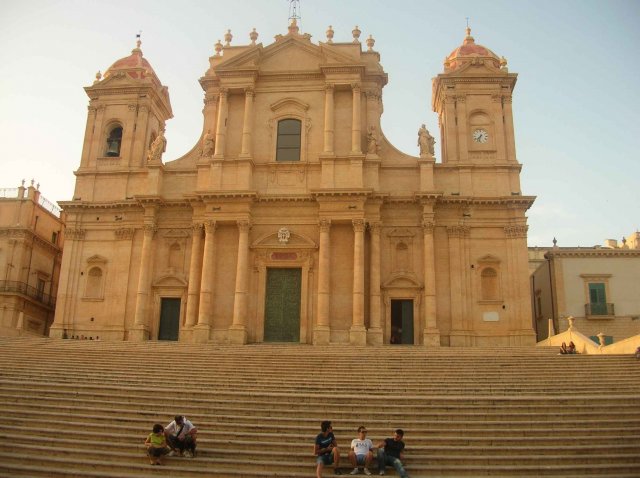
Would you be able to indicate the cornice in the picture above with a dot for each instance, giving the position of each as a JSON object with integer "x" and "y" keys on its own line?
{"x": 341, "y": 193}
{"x": 79, "y": 205}
{"x": 226, "y": 194}
{"x": 590, "y": 252}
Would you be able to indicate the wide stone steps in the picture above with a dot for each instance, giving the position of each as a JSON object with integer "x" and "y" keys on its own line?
{"x": 82, "y": 408}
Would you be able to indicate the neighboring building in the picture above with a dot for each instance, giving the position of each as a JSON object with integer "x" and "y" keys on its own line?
{"x": 294, "y": 219}
{"x": 31, "y": 233}
{"x": 599, "y": 286}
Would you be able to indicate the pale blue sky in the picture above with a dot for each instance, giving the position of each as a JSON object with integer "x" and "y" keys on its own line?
{"x": 575, "y": 103}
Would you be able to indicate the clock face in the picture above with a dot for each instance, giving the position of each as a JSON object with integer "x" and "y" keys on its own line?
{"x": 480, "y": 136}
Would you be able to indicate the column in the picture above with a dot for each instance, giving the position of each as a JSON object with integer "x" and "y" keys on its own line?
{"x": 89, "y": 132}
{"x": 374, "y": 334}
{"x": 221, "y": 126}
{"x": 201, "y": 331}
{"x": 431, "y": 334}
{"x": 193, "y": 292}
{"x": 238, "y": 329}
{"x": 328, "y": 119}
{"x": 508, "y": 128}
{"x": 140, "y": 329}
{"x": 356, "y": 122}
{"x": 99, "y": 142}
{"x": 128, "y": 134}
{"x": 140, "y": 146}
{"x": 321, "y": 331}
{"x": 499, "y": 131}
{"x": 456, "y": 299}
{"x": 451, "y": 130}
{"x": 248, "y": 121}
{"x": 358, "y": 332}
{"x": 518, "y": 301}
{"x": 461, "y": 112}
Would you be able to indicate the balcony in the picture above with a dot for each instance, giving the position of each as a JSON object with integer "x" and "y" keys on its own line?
{"x": 599, "y": 308}
{"x": 29, "y": 291}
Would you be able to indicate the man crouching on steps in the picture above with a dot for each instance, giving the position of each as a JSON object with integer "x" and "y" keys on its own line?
{"x": 326, "y": 449}
{"x": 181, "y": 437}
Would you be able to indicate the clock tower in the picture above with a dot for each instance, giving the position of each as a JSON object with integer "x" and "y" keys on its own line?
{"x": 473, "y": 101}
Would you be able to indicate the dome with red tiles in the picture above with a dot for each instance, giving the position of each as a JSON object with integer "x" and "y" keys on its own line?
{"x": 135, "y": 66}
{"x": 470, "y": 51}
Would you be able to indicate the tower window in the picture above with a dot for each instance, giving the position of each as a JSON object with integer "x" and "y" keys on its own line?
{"x": 114, "y": 141}
{"x": 288, "y": 146}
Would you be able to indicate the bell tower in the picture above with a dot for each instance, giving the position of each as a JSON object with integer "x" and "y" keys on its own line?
{"x": 473, "y": 101}
{"x": 128, "y": 108}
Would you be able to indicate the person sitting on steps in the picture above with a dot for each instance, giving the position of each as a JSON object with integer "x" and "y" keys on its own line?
{"x": 361, "y": 452}
{"x": 181, "y": 437}
{"x": 326, "y": 449}
{"x": 156, "y": 444}
{"x": 390, "y": 453}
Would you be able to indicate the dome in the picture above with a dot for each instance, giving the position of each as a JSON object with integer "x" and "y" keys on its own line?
{"x": 468, "y": 52}
{"x": 134, "y": 65}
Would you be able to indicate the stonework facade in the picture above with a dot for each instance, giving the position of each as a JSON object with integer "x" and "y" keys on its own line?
{"x": 31, "y": 237}
{"x": 293, "y": 219}
{"x": 598, "y": 286}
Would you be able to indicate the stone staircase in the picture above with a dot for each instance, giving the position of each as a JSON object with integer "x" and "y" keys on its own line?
{"x": 83, "y": 408}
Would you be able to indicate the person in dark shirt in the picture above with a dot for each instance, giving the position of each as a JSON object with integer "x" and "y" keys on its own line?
{"x": 326, "y": 449}
{"x": 390, "y": 453}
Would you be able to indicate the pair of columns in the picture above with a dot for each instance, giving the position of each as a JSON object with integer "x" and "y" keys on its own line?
{"x": 221, "y": 123}
{"x": 201, "y": 283}
{"x": 358, "y": 334}
{"x": 329, "y": 119}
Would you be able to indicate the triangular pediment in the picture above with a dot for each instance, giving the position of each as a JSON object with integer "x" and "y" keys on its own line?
{"x": 290, "y": 53}
{"x": 479, "y": 67}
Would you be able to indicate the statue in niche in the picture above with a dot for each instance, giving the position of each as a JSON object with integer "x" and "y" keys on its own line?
{"x": 372, "y": 142}
{"x": 426, "y": 142}
{"x": 208, "y": 144}
{"x": 159, "y": 145}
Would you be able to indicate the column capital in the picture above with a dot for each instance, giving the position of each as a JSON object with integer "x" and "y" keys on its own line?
{"x": 132, "y": 107}
{"x": 143, "y": 109}
{"x": 355, "y": 85}
{"x": 372, "y": 95}
{"x": 150, "y": 229}
{"x": 243, "y": 225}
{"x": 358, "y": 225}
{"x": 428, "y": 227}
{"x": 325, "y": 225}
{"x": 375, "y": 227}
{"x": 196, "y": 228}
{"x": 329, "y": 87}
{"x": 516, "y": 231}
{"x": 458, "y": 231}
{"x": 210, "y": 227}
{"x": 211, "y": 98}
{"x": 224, "y": 92}
{"x": 249, "y": 91}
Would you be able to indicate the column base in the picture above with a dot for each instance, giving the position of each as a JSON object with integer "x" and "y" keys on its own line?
{"x": 431, "y": 337}
{"x": 200, "y": 334}
{"x": 321, "y": 335}
{"x": 374, "y": 336}
{"x": 237, "y": 335}
{"x": 58, "y": 332}
{"x": 358, "y": 335}
{"x": 139, "y": 334}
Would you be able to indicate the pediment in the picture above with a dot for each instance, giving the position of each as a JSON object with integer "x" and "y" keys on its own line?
{"x": 97, "y": 259}
{"x": 294, "y": 241}
{"x": 170, "y": 281}
{"x": 400, "y": 233}
{"x": 489, "y": 259}
{"x": 478, "y": 67}
{"x": 402, "y": 281}
{"x": 286, "y": 54}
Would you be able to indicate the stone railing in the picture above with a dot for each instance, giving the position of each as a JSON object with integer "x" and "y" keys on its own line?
{"x": 584, "y": 345}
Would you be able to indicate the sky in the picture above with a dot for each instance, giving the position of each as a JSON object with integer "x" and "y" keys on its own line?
{"x": 575, "y": 103}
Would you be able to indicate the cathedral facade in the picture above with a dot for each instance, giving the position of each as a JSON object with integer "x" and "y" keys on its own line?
{"x": 293, "y": 219}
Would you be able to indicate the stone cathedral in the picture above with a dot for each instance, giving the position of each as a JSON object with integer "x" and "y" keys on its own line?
{"x": 293, "y": 219}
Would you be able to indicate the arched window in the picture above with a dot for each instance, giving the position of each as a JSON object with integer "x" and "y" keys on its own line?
{"x": 94, "y": 283}
{"x": 288, "y": 145}
{"x": 489, "y": 286}
{"x": 114, "y": 141}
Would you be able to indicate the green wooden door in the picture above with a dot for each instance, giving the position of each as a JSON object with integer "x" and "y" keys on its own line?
{"x": 282, "y": 305}
{"x": 169, "y": 319}
{"x": 401, "y": 322}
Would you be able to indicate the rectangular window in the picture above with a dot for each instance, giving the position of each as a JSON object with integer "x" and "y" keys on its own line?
{"x": 597, "y": 298}
{"x": 288, "y": 146}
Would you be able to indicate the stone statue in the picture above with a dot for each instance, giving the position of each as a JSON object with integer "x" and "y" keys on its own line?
{"x": 372, "y": 142}
{"x": 426, "y": 142}
{"x": 207, "y": 144}
{"x": 154, "y": 155}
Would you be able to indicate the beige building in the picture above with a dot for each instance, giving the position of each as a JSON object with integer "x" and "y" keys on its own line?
{"x": 293, "y": 219}
{"x": 599, "y": 286}
{"x": 31, "y": 233}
